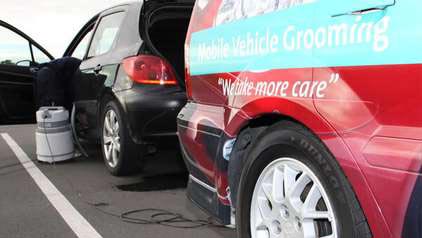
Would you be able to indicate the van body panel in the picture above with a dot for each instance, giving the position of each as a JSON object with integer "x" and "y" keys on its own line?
{"x": 354, "y": 80}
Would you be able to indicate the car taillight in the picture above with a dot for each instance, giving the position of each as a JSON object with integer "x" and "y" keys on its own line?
{"x": 149, "y": 69}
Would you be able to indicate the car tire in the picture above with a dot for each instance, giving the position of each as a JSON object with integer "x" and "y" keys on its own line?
{"x": 121, "y": 155}
{"x": 275, "y": 152}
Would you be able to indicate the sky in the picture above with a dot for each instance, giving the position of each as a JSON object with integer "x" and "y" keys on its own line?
{"x": 52, "y": 23}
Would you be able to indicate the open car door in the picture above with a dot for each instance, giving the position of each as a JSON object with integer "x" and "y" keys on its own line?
{"x": 18, "y": 55}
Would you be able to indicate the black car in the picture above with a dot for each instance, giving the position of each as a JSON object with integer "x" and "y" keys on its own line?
{"x": 130, "y": 86}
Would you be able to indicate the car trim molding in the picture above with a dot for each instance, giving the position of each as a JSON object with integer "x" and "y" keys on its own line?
{"x": 197, "y": 181}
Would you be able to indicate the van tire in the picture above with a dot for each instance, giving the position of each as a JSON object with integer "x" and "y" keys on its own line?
{"x": 288, "y": 139}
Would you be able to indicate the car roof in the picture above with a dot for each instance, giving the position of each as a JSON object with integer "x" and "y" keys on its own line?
{"x": 128, "y": 4}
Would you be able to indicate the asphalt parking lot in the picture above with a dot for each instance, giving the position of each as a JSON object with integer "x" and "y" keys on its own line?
{"x": 28, "y": 211}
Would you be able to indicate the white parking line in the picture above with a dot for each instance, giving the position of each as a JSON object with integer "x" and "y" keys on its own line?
{"x": 71, "y": 216}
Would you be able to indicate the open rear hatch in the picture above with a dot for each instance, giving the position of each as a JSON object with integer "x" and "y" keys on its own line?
{"x": 164, "y": 32}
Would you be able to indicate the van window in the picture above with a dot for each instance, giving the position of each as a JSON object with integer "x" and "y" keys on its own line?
{"x": 252, "y": 8}
{"x": 232, "y": 10}
{"x": 292, "y": 3}
{"x": 106, "y": 33}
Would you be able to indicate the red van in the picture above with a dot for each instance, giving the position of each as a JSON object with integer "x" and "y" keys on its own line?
{"x": 303, "y": 116}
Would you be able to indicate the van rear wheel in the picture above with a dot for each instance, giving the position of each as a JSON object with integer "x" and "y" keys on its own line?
{"x": 291, "y": 186}
{"x": 290, "y": 201}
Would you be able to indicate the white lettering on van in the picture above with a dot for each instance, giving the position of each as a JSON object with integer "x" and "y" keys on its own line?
{"x": 337, "y": 34}
{"x": 218, "y": 50}
{"x": 270, "y": 42}
{"x": 288, "y": 41}
{"x": 381, "y": 41}
{"x": 279, "y": 88}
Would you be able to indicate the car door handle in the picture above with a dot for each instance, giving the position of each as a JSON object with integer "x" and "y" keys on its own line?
{"x": 98, "y": 69}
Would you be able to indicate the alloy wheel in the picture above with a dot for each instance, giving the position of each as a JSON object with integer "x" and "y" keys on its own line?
{"x": 111, "y": 138}
{"x": 289, "y": 201}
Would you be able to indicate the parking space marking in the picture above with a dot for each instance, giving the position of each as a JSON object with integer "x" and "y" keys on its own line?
{"x": 71, "y": 216}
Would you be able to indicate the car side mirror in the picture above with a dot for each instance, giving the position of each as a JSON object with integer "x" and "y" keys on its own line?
{"x": 26, "y": 63}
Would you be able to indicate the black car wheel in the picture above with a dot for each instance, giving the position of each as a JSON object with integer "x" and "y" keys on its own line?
{"x": 119, "y": 152}
{"x": 291, "y": 186}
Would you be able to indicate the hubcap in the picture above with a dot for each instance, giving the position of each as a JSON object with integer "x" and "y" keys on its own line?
{"x": 289, "y": 201}
{"x": 111, "y": 138}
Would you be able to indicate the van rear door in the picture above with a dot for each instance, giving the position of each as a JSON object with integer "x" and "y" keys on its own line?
{"x": 371, "y": 63}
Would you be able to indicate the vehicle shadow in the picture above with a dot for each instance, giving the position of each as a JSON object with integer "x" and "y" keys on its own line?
{"x": 157, "y": 183}
{"x": 163, "y": 171}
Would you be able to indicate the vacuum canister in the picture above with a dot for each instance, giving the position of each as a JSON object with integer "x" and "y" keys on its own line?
{"x": 54, "y": 135}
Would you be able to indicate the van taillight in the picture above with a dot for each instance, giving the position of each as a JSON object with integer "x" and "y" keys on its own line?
{"x": 149, "y": 69}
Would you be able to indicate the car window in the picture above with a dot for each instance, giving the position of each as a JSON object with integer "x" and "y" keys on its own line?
{"x": 39, "y": 56}
{"x": 105, "y": 34}
{"x": 82, "y": 46}
{"x": 13, "y": 47}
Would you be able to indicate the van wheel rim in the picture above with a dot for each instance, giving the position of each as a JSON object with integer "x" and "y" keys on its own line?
{"x": 111, "y": 138}
{"x": 289, "y": 201}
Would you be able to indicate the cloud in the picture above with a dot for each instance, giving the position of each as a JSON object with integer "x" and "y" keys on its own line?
{"x": 52, "y": 23}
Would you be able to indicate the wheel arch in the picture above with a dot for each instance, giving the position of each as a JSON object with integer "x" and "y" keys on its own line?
{"x": 300, "y": 111}
{"x": 257, "y": 115}
{"x": 106, "y": 96}
{"x": 270, "y": 133}
{"x": 254, "y": 122}
{"x": 321, "y": 130}
{"x": 246, "y": 133}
